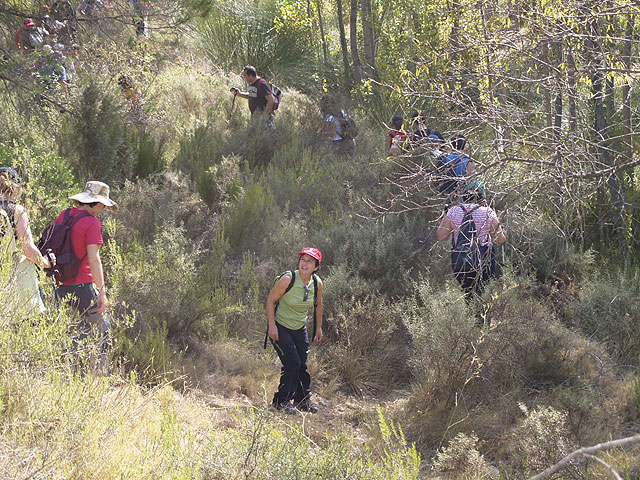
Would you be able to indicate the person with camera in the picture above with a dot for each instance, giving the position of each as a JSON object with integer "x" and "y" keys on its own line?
{"x": 258, "y": 93}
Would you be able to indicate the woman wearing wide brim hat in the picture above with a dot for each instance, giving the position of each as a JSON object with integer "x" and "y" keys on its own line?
{"x": 16, "y": 234}
{"x": 96, "y": 192}
{"x": 293, "y": 294}
{"x": 87, "y": 291}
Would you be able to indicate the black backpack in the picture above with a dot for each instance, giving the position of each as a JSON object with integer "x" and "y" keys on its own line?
{"x": 315, "y": 300}
{"x": 466, "y": 250}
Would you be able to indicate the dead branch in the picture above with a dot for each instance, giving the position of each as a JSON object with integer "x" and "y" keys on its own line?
{"x": 584, "y": 451}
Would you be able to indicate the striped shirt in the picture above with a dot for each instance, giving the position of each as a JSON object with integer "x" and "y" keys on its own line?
{"x": 482, "y": 217}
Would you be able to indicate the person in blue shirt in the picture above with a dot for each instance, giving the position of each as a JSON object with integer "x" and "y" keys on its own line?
{"x": 456, "y": 167}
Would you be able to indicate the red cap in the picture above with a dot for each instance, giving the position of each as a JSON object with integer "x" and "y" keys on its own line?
{"x": 314, "y": 252}
{"x": 29, "y": 23}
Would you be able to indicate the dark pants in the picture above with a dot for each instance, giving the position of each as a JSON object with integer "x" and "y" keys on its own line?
{"x": 292, "y": 348}
{"x": 472, "y": 279}
{"x": 84, "y": 298}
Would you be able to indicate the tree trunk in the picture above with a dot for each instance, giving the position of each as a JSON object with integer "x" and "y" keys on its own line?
{"x": 343, "y": 45}
{"x": 323, "y": 40}
{"x": 546, "y": 68}
{"x": 454, "y": 45}
{"x": 627, "y": 126}
{"x": 310, "y": 15}
{"x": 572, "y": 95}
{"x": 353, "y": 38}
{"x": 602, "y": 139}
{"x": 557, "y": 114}
{"x": 368, "y": 36}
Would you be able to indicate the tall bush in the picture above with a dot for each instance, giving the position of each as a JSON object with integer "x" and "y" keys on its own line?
{"x": 96, "y": 138}
{"x": 252, "y": 219}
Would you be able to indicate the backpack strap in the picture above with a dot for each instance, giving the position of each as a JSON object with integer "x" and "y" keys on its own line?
{"x": 289, "y": 287}
{"x": 315, "y": 304}
{"x": 73, "y": 222}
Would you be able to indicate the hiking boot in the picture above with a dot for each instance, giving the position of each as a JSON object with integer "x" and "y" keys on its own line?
{"x": 285, "y": 407}
{"x": 307, "y": 406}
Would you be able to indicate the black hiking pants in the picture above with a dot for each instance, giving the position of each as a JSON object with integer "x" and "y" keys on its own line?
{"x": 292, "y": 348}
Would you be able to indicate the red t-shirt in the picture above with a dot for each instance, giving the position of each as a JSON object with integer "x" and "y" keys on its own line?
{"x": 87, "y": 231}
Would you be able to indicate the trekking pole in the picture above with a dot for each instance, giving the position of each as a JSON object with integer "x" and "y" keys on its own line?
{"x": 52, "y": 273}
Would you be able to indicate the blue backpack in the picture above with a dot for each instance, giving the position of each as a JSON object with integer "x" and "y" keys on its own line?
{"x": 448, "y": 169}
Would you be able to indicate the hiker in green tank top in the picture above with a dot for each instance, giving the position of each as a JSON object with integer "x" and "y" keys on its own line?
{"x": 293, "y": 294}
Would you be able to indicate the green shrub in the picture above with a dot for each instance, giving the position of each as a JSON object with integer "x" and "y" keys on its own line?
{"x": 608, "y": 308}
{"x": 252, "y": 219}
{"x": 170, "y": 281}
{"x": 262, "y": 34}
{"x": 441, "y": 327}
{"x": 48, "y": 181}
{"x": 547, "y": 254}
{"x": 542, "y": 439}
{"x": 149, "y": 155}
{"x": 96, "y": 138}
{"x": 158, "y": 280}
{"x": 524, "y": 347}
{"x": 461, "y": 459}
{"x": 220, "y": 184}
{"x": 148, "y": 205}
{"x": 260, "y": 448}
{"x": 381, "y": 253}
{"x": 153, "y": 358}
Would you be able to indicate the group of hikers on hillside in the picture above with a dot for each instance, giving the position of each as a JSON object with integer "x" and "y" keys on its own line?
{"x": 69, "y": 247}
{"x": 51, "y": 35}
{"x": 68, "y": 250}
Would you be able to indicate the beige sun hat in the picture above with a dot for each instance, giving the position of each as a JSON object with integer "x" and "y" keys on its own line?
{"x": 96, "y": 192}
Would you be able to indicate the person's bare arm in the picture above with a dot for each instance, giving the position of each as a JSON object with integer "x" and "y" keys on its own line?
{"x": 496, "y": 232}
{"x": 318, "y": 336}
{"x": 241, "y": 94}
{"x": 23, "y": 232}
{"x": 276, "y": 292}
{"x": 271, "y": 101}
{"x": 95, "y": 265}
{"x": 387, "y": 142}
{"x": 444, "y": 229}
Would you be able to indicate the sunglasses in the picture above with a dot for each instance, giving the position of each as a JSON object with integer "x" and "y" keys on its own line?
{"x": 306, "y": 293}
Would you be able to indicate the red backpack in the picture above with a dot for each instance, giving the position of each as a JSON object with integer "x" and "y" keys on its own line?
{"x": 56, "y": 239}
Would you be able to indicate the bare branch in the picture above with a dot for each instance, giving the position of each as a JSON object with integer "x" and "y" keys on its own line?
{"x": 586, "y": 451}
